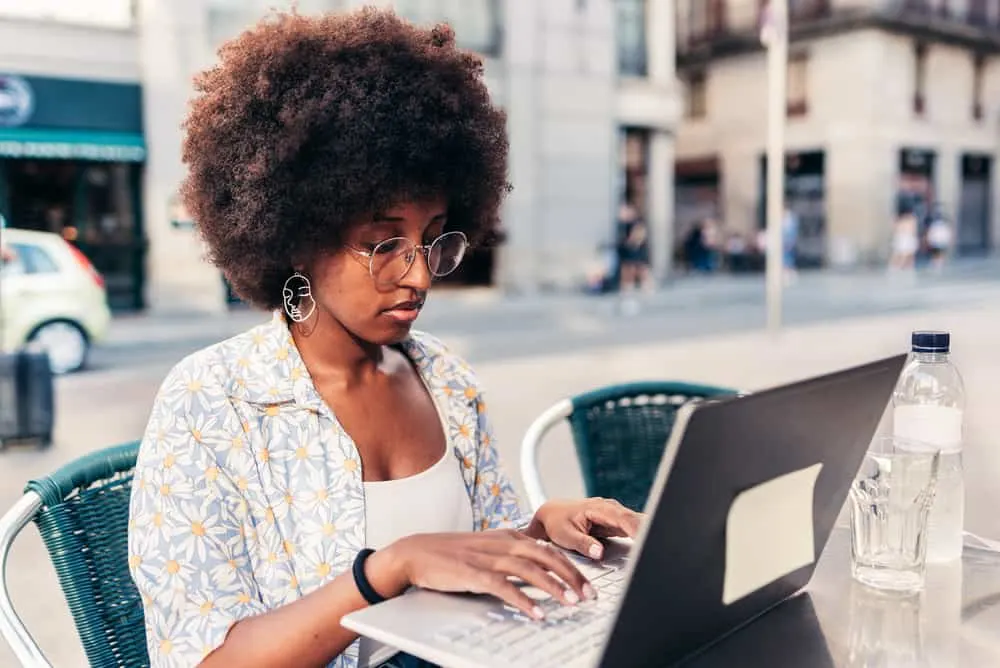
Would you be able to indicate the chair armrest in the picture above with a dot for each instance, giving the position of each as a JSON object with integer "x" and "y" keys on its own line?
{"x": 11, "y": 627}
{"x": 529, "y": 450}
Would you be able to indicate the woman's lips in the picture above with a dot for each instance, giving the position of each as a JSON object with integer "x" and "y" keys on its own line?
{"x": 404, "y": 313}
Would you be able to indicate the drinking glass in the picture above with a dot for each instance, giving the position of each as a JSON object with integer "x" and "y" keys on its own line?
{"x": 890, "y": 500}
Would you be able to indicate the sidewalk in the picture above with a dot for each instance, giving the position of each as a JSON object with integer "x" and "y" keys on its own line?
{"x": 450, "y": 304}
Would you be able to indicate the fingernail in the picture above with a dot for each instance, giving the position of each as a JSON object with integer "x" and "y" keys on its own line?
{"x": 595, "y": 551}
{"x": 571, "y": 597}
{"x": 537, "y": 613}
{"x": 589, "y": 593}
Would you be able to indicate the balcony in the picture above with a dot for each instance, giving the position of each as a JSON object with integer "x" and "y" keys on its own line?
{"x": 709, "y": 29}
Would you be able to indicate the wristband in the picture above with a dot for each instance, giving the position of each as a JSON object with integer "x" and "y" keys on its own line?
{"x": 361, "y": 581}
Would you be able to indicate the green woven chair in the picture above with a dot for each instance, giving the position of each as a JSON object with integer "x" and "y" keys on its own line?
{"x": 81, "y": 512}
{"x": 619, "y": 432}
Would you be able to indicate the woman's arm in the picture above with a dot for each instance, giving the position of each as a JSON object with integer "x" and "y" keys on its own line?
{"x": 188, "y": 554}
{"x": 308, "y": 631}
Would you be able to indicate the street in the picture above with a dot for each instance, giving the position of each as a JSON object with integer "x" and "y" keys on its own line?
{"x": 532, "y": 351}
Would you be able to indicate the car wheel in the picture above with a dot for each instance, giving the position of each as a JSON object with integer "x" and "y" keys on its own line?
{"x": 65, "y": 343}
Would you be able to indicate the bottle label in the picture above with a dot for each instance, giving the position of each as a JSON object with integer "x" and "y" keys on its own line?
{"x": 937, "y": 427}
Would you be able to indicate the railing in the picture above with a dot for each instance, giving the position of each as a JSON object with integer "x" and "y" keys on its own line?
{"x": 706, "y": 23}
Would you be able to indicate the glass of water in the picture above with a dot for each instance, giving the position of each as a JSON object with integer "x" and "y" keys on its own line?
{"x": 890, "y": 501}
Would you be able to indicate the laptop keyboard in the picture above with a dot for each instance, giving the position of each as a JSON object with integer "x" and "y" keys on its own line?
{"x": 567, "y": 634}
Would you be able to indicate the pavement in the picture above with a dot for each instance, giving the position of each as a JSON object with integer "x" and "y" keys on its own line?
{"x": 487, "y": 324}
{"x": 533, "y": 351}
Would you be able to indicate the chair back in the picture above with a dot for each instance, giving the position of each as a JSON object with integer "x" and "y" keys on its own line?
{"x": 84, "y": 525}
{"x": 620, "y": 433}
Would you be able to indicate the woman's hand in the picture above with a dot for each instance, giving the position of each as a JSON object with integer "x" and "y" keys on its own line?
{"x": 480, "y": 562}
{"x": 577, "y": 524}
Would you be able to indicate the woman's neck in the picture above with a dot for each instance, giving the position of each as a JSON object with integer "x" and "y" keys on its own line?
{"x": 334, "y": 355}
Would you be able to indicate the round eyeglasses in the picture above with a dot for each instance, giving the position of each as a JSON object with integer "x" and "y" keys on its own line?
{"x": 390, "y": 260}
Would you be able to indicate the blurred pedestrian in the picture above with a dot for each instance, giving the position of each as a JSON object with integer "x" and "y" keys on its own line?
{"x": 789, "y": 244}
{"x": 633, "y": 256}
{"x": 905, "y": 241}
{"x": 939, "y": 240}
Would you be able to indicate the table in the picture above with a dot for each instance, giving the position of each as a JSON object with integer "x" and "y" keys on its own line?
{"x": 837, "y": 622}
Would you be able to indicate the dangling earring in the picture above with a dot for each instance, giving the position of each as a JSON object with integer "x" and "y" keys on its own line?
{"x": 297, "y": 288}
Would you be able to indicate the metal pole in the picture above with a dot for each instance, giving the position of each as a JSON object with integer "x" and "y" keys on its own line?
{"x": 775, "y": 36}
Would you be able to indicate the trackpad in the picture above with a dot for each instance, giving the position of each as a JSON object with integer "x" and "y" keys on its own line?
{"x": 769, "y": 532}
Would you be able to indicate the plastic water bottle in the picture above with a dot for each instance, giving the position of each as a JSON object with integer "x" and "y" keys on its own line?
{"x": 928, "y": 407}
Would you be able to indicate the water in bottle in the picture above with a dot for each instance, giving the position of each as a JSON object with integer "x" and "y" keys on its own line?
{"x": 928, "y": 407}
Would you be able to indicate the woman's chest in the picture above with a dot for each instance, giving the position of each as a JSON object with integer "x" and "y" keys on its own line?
{"x": 398, "y": 427}
{"x": 304, "y": 503}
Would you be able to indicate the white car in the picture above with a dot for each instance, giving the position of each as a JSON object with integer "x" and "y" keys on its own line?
{"x": 50, "y": 296}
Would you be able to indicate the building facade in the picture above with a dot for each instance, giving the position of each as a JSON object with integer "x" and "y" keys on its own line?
{"x": 71, "y": 143}
{"x": 891, "y": 106}
{"x": 588, "y": 87}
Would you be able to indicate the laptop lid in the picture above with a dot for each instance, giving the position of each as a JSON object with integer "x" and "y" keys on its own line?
{"x": 800, "y": 445}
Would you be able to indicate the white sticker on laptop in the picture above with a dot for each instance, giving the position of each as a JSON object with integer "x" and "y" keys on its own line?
{"x": 769, "y": 532}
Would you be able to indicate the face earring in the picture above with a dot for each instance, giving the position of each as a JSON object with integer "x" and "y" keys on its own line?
{"x": 295, "y": 293}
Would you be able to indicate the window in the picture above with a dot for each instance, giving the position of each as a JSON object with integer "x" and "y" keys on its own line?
{"x": 10, "y": 262}
{"x": 979, "y": 13}
{"x": 477, "y": 23}
{"x": 919, "y": 79}
{"x": 797, "y": 92}
{"x": 33, "y": 259}
{"x": 978, "y": 65}
{"x": 696, "y": 98}
{"x": 632, "y": 48}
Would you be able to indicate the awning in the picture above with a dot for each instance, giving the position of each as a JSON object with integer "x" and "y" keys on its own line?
{"x": 40, "y": 143}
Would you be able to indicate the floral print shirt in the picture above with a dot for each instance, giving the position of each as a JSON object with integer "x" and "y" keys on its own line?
{"x": 248, "y": 493}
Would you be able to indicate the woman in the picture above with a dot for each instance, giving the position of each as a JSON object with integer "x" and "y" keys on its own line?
{"x": 337, "y": 164}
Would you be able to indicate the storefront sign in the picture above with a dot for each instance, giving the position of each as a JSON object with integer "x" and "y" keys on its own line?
{"x": 71, "y": 151}
{"x": 17, "y": 101}
{"x": 37, "y": 143}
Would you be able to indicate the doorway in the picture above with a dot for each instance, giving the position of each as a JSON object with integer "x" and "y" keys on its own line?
{"x": 974, "y": 207}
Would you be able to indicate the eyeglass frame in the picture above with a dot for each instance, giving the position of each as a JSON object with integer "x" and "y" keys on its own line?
{"x": 424, "y": 250}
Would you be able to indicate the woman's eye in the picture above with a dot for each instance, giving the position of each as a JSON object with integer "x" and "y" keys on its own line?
{"x": 386, "y": 247}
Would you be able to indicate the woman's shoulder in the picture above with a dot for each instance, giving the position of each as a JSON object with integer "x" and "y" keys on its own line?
{"x": 429, "y": 351}
{"x": 224, "y": 365}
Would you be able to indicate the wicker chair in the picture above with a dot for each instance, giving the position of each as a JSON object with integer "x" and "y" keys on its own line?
{"x": 619, "y": 432}
{"x": 81, "y": 512}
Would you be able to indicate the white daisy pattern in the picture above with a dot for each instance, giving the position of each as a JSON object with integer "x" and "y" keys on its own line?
{"x": 249, "y": 492}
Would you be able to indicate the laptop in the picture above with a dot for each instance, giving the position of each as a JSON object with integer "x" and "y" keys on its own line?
{"x": 746, "y": 495}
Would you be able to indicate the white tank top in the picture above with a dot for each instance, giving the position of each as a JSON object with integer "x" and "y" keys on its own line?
{"x": 432, "y": 501}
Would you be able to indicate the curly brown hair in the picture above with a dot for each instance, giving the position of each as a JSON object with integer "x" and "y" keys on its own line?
{"x": 311, "y": 123}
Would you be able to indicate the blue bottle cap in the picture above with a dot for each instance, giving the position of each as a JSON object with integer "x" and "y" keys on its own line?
{"x": 930, "y": 342}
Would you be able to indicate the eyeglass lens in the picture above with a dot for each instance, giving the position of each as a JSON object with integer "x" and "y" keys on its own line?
{"x": 392, "y": 258}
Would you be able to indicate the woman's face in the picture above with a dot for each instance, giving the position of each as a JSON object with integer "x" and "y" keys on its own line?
{"x": 379, "y": 309}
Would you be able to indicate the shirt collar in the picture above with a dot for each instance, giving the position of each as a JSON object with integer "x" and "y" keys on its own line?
{"x": 270, "y": 369}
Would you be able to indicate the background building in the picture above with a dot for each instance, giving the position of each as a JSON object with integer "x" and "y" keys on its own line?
{"x": 892, "y": 105}
{"x": 588, "y": 86}
{"x": 71, "y": 142}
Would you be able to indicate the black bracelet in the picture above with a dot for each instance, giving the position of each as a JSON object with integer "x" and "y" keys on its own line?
{"x": 361, "y": 581}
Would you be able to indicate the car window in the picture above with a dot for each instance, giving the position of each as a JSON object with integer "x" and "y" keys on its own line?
{"x": 10, "y": 262}
{"x": 35, "y": 259}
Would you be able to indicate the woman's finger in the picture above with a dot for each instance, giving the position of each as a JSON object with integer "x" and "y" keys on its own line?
{"x": 483, "y": 581}
{"x": 612, "y": 520}
{"x": 544, "y": 554}
{"x": 557, "y": 562}
{"x": 534, "y": 574}
{"x": 577, "y": 538}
